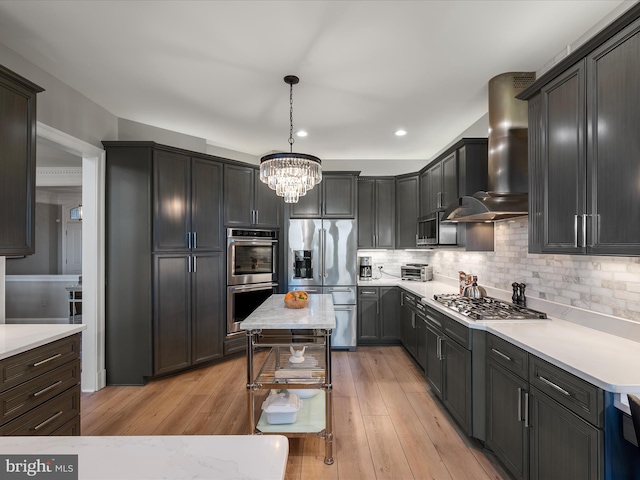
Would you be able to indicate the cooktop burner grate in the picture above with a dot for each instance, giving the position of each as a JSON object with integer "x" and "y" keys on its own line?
{"x": 487, "y": 308}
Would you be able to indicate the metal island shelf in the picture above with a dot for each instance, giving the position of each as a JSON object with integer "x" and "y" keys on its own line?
{"x": 273, "y": 326}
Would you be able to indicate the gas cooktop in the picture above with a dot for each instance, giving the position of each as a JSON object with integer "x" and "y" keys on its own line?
{"x": 487, "y": 308}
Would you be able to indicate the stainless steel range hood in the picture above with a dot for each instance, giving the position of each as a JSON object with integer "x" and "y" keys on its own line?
{"x": 508, "y": 178}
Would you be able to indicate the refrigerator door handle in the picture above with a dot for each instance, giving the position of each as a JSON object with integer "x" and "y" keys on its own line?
{"x": 324, "y": 253}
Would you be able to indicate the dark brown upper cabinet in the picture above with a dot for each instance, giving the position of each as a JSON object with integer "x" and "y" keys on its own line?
{"x": 376, "y": 212}
{"x": 583, "y": 152}
{"x": 248, "y": 201}
{"x": 439, "y": 185}
{"x": 17, "y": 163}
{"x": 334, "y": 197}
{"x": 407, "y": 204}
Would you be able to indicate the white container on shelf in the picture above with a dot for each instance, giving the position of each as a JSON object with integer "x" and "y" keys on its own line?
{"x": 282, "y": 408}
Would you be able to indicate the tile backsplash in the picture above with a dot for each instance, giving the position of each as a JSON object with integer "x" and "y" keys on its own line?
{"x": 608, "y": 285}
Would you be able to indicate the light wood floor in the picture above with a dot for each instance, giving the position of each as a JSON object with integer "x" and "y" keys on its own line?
{"x": 386, "y": 422}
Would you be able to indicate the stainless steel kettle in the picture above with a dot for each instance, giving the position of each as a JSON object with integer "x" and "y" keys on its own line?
{"x": 473, "y": 290}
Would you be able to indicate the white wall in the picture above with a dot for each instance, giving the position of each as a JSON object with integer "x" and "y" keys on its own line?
{"x": 130, "y": 130}
{"x": 62, "y": 107}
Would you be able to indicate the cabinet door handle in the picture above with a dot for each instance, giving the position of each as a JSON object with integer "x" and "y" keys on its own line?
{"x": 498, "y": 352}
{"x": 46, "y": 360}
{"x": 526, "y": 410}
{"x": 575, "y": 231}
{"x": 195, "y": 239}
{"x": 584, "y": 229}
{"x": 195, "y": 264}
{"x": 553, "y": 385}
{"x": 188, "y": 239}
{"x": 45, "y": 390}
{"x": 519, "y": 404}
{"x": 413, "y": 321}
{"x": 439, "y": 349}
{"x": 257, "y": 217}
{"x": 47, "y": 421}
{"x": 189, "y": 264}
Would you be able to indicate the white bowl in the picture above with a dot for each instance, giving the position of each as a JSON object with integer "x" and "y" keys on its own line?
{"x": 305, "y": 392}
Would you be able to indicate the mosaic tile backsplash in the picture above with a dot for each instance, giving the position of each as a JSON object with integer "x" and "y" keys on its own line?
{"x": 608, "y": 285}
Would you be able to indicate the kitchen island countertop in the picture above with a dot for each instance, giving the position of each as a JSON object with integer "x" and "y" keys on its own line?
{"x": 18, "y": 338}
{"x": 220, "y": 457}
{"x": 272, "y": 314}
{"x": 594, "y": 355}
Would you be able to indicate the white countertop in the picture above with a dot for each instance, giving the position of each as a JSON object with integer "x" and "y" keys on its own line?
{"x": 213, "y": 457}
{"x": 605, "y": 360}
{"x": 18, "y": 338}
{"x": 272, "y": 314}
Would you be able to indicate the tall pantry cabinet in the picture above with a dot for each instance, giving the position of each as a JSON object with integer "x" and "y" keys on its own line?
{"x": 164, "y": 263}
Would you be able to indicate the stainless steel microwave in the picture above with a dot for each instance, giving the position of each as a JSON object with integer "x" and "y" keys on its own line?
{"x": 431, "y": 231}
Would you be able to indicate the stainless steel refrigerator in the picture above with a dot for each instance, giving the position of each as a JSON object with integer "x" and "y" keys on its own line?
{"x": 322, "y": 259}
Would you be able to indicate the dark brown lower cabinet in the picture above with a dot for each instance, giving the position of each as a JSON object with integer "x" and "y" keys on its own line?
{"x": 541, "y": 433}
{"x": 448, "y": 365}
{"x": 378, "y": 315}
{"x": 456, "y": 385}
{"x": 188, "y": 306}
{"x": 507, "y": 435}
{"x": 40, "y": 390}
{"x": 563, "y": 445}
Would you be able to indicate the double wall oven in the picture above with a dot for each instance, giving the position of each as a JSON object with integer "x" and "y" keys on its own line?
{"x": 252, "y": 272}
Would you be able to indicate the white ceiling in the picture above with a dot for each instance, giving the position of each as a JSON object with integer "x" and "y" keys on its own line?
{"x": 214, "y": 69}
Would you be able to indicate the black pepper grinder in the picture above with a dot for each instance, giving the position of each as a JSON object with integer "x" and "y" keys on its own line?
{"x": 522, "y": 296}
{"x": 516, "y": 292}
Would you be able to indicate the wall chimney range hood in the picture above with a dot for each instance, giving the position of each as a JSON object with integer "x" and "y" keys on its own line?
{"x": 508, "y": 177}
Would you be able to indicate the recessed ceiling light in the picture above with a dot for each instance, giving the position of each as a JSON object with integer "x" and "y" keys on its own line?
{"x": 401, "y": 133}
{"x": 301, "y": 133}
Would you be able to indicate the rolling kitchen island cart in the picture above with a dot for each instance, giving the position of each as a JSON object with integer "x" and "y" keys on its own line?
{"x": 310, "y": 329}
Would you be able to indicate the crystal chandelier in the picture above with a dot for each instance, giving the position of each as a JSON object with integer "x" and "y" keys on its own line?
{"x": 291, "y": 175}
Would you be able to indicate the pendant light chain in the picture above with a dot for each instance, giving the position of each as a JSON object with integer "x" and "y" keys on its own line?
{"x": 291, "y": 175}
{"x": 291, "y": 140}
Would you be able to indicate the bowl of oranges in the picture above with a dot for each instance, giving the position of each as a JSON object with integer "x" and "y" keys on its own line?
{"x": 296, "y": 299}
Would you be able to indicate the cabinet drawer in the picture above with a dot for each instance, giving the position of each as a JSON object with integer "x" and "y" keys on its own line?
{"x": 27, "y": 365}
{"x": 408, "y": 300}
{"x": 69, "y": 429}
{"x": 434, "y": 318}
{"x": 368, "y": 292}
{"x": 48, "y": 417}
{"x": 582, "y": 398}
{"x": 458, "y": 332}
{"x": 18, "y": 400}
{"x": 508, "y": 355}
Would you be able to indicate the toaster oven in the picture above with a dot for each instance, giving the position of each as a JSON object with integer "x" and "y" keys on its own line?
{"x": 416, "y": 272}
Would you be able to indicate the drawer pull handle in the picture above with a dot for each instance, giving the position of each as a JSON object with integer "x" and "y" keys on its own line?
{"x": 437, "y": 322}
{"x": 498, "y": 352}
{"x": 553, "y": 385}
{"x": 47, "y": 421}
{"x": 45, "y": 390}
{"x": 57, "y": 355}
